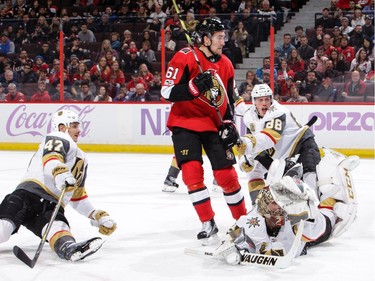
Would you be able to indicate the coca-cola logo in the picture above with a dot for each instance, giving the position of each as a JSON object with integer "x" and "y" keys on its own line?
{"x": 24, "y": 121}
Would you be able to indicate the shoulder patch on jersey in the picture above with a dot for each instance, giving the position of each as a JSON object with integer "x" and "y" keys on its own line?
{"x": 185, "y": 50}
{"x": 253, "y": 222}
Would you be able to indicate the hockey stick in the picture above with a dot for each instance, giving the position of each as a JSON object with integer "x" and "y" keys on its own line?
{"x": 258, "y": 259}
{"x": 21, "y": 255}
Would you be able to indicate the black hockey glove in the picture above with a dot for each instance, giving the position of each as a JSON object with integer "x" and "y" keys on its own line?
{"x": 229, "y": 134}
{"x": 201, "y": 83}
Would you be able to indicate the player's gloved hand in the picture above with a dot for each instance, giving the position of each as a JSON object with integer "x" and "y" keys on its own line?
{"x": 296, "y": 198}
{"x": 201, "y": 83}
{"x": 64, "y": 178}
{"x": 101, "y": 219}
{"x": 248, "y": 143}
{"x": 229, "y": 134}
{"x": 246, "y": 163}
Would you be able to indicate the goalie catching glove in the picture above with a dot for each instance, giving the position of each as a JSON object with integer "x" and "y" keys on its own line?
{"x": 101, "y": 219}
{"x": 201, "y": 83}
{"x": 229, "y": 134}
{"x": 296, "y": 198}
{"x": 64, "y": 178}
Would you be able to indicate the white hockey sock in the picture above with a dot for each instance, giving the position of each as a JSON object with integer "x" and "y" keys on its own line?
{"x": 57, "y": 226}
{"x": 6, "y": 229}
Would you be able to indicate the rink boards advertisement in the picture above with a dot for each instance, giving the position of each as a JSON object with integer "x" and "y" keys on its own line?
{"x": 142, "y": 127}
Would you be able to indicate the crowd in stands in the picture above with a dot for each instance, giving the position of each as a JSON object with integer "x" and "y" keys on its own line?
{"x": 112, "y": 49}
{"x": 331, "y": 61}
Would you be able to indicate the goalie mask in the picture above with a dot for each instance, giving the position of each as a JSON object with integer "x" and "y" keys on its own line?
{"x": 64, "y": 117}
{"x": 269, "y": 209}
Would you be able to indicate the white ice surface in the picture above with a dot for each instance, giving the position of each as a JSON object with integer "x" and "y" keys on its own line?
{"x": 155, "y": 227}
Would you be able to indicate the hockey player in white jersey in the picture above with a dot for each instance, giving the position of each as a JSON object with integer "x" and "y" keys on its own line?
{"x": 274, "y": 134}
{"x": 270, "y": 227}
{"x": 57, "y": 164}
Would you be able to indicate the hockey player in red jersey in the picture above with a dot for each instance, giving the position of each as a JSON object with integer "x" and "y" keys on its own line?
{"x": 200, "y": 84}
{"x": 58, "y": 164}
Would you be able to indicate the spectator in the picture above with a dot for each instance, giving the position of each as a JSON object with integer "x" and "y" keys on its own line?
{"x": 147, "y": 36}
{"x": 104, "y": 25}
{"x": 159, "y": 14}
{"x": 21, "y": 36}
{"x": 6, "y": 45}
{"x": 105, "y": 47}
{"x": 86, "y": 35}
{"x": 368, "y": 46}
{"x": 100, "y": 72}
{"x": 356, "y": 87}
{"x": 117, "y": 79}
{"x": 361, "y": 63}
{"x": 309, "y": 86}
{"x": 317, "y": 40}
{"x": 334, "y": 75}
{"x": 267, "y": 80}
{"x": 135, "y": 79}
{"x": 295, "y": 96}
{"x": 284, "y": 91}
{"x": 368, "y": 27}
{"x": 145, "y": 74}
{"x": 140, "y": 94}
{"x": 170, "y": 45}
{"x": 320, "y": 59}
{"x": 122, "y": 95}
{"x": 326, "y": 21}
{"x": 128, "y": 37}
{"x": 295, "y": 62}
{"x": 85, "y": 93}
{"x": 27, "y": 75}
{"x": 284, "y": 72}
{"x": 155, "y": 86}
{"x": 251, "y": 79}
{"x": 2, "y": 94}
{"x": 79, "y": 73}
{"x": 327, "y": 44}
{"x": 345, "y": 28}
{"x": 47, "y": 54}
{"x": 72, "y": 67}
{"x": 358, "y": 18}
{"x": 356, "y": 38}
{"x": 296, "y": 40}
{"x": 266, "y": 12}
{"x": 305, "y": 50}
{"x": 155, "y": 25}
{"x": 75, "y": 49}
{"x": 22, "y": 59}
{"x": 54, "y": 73}
{"x": 246, "y": 94}
{"x": 240, "y": 37}
{"x": 326, "y": 92}
{"x": 133, "y": 61}
{"x": 285, "y": 48}
{"x": 103, "y": 95}
{"x": 337, "y": 61}
{"x": 14, "y": 95}
{"x": 266, "y": 65}
{"x": 346, "y": 51}
{"x": 9, "y": 76}
{"x": 41, "y": 95}
{"x": 39, "y": 65}
{"x": 115, "y": 41}
{"x": 336, "y": 37}
{"x": 146, "y": 52}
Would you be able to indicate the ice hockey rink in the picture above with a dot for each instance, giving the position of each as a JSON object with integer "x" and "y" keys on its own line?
{"x": 155, "y": 227}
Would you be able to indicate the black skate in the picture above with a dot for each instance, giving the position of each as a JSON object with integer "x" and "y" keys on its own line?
{"x": 208, "y": 234}
{"x": 170, "y": 184}
{"x": 79, "y": 251}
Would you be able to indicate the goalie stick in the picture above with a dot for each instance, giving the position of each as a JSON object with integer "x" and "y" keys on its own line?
{"x": 21, "y": 255}
{"x": 257, "y": 259}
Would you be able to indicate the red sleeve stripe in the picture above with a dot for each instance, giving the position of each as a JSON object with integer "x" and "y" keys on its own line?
{"x": 79, "y": 198}
{"x": 270, "y": 136}
{"x": 49, "y": 159}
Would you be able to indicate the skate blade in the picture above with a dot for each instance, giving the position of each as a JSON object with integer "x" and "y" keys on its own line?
{"x": 214, "y": 239}
{"x": 168, "y": 188}
{"x": 93, "y": 247}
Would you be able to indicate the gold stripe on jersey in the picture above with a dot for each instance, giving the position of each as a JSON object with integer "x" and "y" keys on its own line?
{"x": 79, "y": 194}
{"x": 57, "y": 236}
{"x": 296, "y": 142}
{"x": 274, "y": 135}
{"x": 327, "y": 203}
{"x": 256, "y": 184}
{"x": 51, "y": 156}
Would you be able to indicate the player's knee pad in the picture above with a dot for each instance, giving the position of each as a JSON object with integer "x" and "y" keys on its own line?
{"x": 12, "y": 206}
{"x": 192, "y": 174}
{"x": 227, "y": 179}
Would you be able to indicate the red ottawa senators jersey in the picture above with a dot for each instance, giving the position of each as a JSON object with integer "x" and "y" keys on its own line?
{"x": 198, "y": 114}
